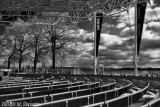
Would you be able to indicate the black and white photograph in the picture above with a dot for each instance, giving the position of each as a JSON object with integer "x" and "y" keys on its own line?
{"x": 79, "y": 53}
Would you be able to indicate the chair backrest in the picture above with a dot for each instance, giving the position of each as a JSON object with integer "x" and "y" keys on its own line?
{"x": 122, "y": 101}
{"x": 78, "y": 100}
{"x": 155, "y": 103}
{"x": 29, "y": 100}
{"x": 72, "y": 102}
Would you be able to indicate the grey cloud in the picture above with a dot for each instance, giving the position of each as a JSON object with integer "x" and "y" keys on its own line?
{"x": 153, "y": 28}
{"x": 150, "y": 44}
{"x": 106, "y": 54}
{"x": 89, "y": 40}
{"x": 144, "y": 57}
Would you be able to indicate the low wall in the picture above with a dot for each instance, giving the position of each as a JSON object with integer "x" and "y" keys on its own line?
{"x": 100, "y": 76}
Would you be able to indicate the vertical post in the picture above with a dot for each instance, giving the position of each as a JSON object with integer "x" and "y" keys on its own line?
{"x": 135, "y": 49}
{"x": 95, "y": 58}
{"x": 103, "y": 70}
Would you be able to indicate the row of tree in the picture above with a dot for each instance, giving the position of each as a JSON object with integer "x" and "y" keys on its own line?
{"x": 34, "y": 42}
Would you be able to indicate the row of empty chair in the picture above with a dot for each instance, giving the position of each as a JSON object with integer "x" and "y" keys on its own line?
{"x": 155, "y": 103}
{"x": 31, "y": 83}
{"x": 20, "y": 88}
{"x": 69, "y": 94}
{"x": 52, "y": 86}
{"x": 122, "y": 101}
{"x": 154, "y": 87}
{"x": 47, "y": 92}
{"x": 87, "y": 99}
{"x": 63, "y": 89}
{"x": 37, "y": 87}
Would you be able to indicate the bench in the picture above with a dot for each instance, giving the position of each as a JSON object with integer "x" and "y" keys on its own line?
{"x": 9, "y": 90}
{"x": 154, "y": 103}
{"x": 5, "y": 97}
{"x": 73, "y": 102}
{"x": 122, "y": 101}
{"x": 58, "y": 96}
{"x": 25, "y": 101}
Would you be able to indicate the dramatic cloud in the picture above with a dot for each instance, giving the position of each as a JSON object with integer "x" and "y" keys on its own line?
{"x": 143, "y": 56}
{"x": 128, "y": 31}
{"x": 153, "y": 26}
{"x": 117, "y": 39}
{"x": 154, "y": 12}
{"x": 121, "y": 25}
{"x": 107, "y": 39}
{"x": 127, "y": 17}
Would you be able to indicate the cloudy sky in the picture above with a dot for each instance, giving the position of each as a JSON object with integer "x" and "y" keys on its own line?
{"x": 117, "y": 37}
{"x": 116, "y": 44}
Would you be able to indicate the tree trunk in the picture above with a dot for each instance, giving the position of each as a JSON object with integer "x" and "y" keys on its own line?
{"x": 9, "y": 62}
{"x": 36, "y": 54}
{"x": 9, "y": 58}
{"x": 35, "y": 61}
{"x": 20, "y": 60}
{"x": 53, "y": 53}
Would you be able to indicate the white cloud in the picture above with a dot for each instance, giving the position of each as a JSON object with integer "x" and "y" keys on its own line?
{"x": 121, "y": 25}
{"x": 127, "y": 18}
{"x": 152, "y": 2}
{"x": 81, "y": 31}
{"x": 149, "y": 34}
{"x": 102, "y": 47}
{"x": 153, "y": 53}
{"x": 107, "y": 25}
{"x": 150, "y": 15}
{"x": 127, "y": 30}
{"x": 156, "y": 24}
{"x": 89, "y": 46}
{"x": 108, "y": 39}
{"x": 85, "y": 34}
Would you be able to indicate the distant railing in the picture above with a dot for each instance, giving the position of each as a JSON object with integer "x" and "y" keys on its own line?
{"x": 72, "y": 70}
{"x": 47, "y": 71}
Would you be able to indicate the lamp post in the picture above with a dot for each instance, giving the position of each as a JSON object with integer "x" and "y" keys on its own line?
{"x": 135, "y": 43}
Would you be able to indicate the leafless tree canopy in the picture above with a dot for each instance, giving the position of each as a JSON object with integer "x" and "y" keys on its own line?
{"x": 35, "y": 42}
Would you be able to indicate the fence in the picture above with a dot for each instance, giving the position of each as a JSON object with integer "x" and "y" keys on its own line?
{"x": 47, "y": 71}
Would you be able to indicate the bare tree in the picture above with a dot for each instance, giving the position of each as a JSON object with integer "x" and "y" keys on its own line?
{"x": 10, "y": 47}
{"x": 58, "y": 34}
{"x": 23, "y": 44}
{"x": 38, "y": 42}
{"x": 19, "y": 43}
{"x": 2, "y": 44}
{"x": 12, "y": 52}
{"x": 62, "y": 40}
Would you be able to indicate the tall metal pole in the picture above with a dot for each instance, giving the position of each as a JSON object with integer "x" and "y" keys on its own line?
{"x": 95, "y": 57}
{"x": 135, "y": 53}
